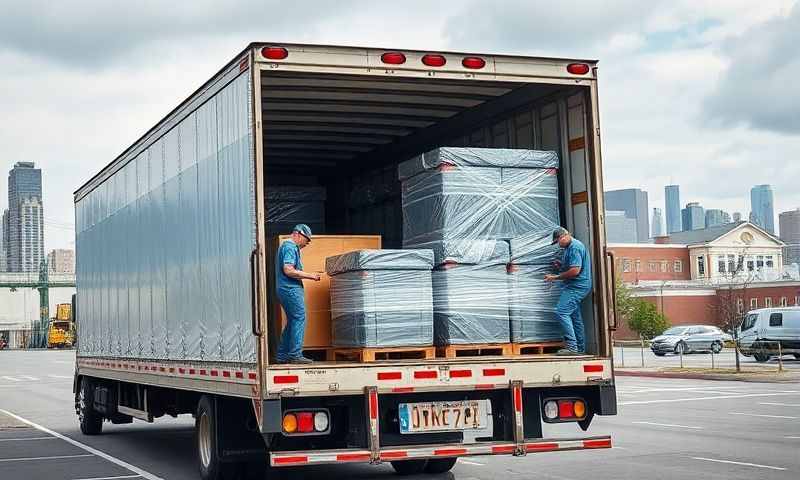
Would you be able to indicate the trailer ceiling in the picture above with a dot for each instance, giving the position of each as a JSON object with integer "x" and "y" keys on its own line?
{"x": 339, "y": 121}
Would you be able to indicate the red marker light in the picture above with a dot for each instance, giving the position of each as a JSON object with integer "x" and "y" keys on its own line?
{"x": 434, "y": 60}
{"x": 393, "y": 58}
{"x": 578, "y": 68}
{"x": 473, "y": 63}
{"x": 274, "y": 53}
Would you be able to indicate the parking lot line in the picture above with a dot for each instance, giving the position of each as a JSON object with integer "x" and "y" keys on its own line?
{"x": 109, "y": 478}
{"x": 792, "y": 438}
{"x": 54, "y": 457}
{"x": 668, "y": 425}
{"x": 717, "y": 397}
{"x": 140, "y": 472}
{"x": 25, "y": 439}
{"x": 763, "y": 416}
{"x": 780, "y": 404}
{"x": 756, "y": 465}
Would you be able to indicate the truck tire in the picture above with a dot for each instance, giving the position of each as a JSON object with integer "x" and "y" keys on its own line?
{"x": 211, "y": 468}
{"x": 440, "y": 465}
{"x": 409, "y": 467}
{"x": 90, "y": 420}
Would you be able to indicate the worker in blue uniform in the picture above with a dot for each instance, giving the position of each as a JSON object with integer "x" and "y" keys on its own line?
{"x": 575, "y": 271}
{"x": 289, "y": 276}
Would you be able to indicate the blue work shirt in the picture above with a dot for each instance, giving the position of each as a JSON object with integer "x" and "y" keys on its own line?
{"x": 576, "y": 255}
{"x": 288, "y": 254}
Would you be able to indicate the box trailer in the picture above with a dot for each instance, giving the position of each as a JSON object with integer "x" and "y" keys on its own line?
{"x": 173, "y": 305}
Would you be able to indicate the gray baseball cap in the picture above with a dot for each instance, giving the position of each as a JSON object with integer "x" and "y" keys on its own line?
{"x": 303, "y": 230}
{"x": 558, "y": 232}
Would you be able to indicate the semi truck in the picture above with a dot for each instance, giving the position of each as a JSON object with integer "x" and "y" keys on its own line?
{"x": 173, "y": 310}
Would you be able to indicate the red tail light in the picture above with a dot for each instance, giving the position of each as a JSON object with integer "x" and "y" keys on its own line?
{"x": 393, "y": 58}
{"x": 305, "y": 422}
{"x": 578, "y": 68}
{"x": 434, "y": 60}
{"x": 565, "y": 409}
{"x": 274, "y": 53}
{"x": 473, "y": 63}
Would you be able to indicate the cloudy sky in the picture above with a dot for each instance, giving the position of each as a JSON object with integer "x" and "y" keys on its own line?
{"x": 694, "y": 92}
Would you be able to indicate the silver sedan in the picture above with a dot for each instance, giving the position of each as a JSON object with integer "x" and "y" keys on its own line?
{"x": 687, "y": 339}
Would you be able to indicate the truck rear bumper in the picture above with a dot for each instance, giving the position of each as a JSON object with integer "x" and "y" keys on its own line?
{"x": 390, "y": 454}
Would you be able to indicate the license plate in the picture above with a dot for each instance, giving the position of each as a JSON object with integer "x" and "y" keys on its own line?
{"x": 444, "y": 416}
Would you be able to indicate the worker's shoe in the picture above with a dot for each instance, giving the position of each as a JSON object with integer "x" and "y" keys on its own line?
{"x": 302, "y": 360}
{"x": 567, "y": 352}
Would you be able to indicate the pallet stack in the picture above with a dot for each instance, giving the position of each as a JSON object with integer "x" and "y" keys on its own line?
{"x": 472, "y": 206}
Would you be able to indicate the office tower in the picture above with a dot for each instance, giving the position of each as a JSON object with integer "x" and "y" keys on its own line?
{"x": 693, "y": 217}
{"x": 633, "y": 202}
{"x": 672, "y": 201}
{"x": 761, "y": 204}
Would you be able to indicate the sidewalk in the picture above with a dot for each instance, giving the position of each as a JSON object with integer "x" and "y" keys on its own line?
{"x": 767, "y": 374}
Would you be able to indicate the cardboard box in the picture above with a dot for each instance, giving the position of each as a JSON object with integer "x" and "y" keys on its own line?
{"x": 318, "y": 300}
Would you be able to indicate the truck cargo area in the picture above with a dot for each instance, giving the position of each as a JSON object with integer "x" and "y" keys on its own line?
{"x": 345, "y": 135}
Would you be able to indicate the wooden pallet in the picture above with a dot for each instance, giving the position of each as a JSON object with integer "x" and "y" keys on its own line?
{"x": 474, "y": 350}
{"x": 539, "y": 348}
{"x": 372, "y": 354}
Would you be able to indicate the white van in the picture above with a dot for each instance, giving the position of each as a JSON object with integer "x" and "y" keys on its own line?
{"x": 762, "y": 330}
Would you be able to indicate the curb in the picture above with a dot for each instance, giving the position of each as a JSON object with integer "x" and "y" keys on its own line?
{"x": 706, "y": 376}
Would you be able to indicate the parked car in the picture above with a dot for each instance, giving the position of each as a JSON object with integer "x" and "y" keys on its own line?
{"x": 763, "y": 329}
{"x": 687, "y": 339}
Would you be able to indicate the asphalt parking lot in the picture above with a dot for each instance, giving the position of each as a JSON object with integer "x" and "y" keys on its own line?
{"x": 666, "y": 429}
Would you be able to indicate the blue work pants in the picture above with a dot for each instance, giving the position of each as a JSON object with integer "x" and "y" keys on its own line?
{"x": 292, "y": 300}
{"x": 568, "y": 312}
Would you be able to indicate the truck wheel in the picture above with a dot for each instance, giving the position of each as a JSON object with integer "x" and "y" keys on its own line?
{"x": 440, "y": 465}
{"x": 91, "y": 421}
{"x": 205, "y": 424}
{"x": 409, "y": 467}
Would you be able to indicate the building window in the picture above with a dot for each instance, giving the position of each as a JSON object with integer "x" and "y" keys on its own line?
{"x": 753, "y": 303}
{"x": 768, "y": 302}
{"x": 677, "y": 266}
{"x": 770, "y": 264}
{"x": 759, "y": 261}
{"x": 797, "y": 300}
{"x": 664, "y": 266}
{"x": 732, "y": 263}
{"x": 739, "y": 305}
{"x": 653, "y": 266}
{"x": 626, "y": 265}
{"x": 751, "y": 265}
{"x": 721, "y": 264}
{"x": 638, "y": 265}
{"x": 783, "y": 302}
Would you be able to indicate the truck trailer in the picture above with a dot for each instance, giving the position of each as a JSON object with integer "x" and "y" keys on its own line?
{"x": 174, "y": 313}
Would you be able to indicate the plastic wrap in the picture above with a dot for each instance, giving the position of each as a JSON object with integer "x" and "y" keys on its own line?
{"x": 447, "y": 197}
{"x": 289, "y": 205}
{"x": 535, "y": 248}
{"x": 470, "y": 304}
{"x": 381, "y": 298}
{"x": 379, "y": 260}
{"x": 532, "y": 303}
{"x": 493, "y": 252}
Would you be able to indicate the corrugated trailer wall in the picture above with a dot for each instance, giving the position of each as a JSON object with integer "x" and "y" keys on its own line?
{"x": 163, "y": 244}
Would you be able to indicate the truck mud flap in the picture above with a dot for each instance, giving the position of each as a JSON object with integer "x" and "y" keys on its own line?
{"x": 317, "y": 457}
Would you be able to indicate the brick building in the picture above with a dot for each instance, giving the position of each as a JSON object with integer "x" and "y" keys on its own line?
{"x": 688, "y": 273}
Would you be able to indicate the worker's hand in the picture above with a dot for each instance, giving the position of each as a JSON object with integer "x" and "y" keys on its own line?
{"x": 317, "y": 277}
{"x": 550, "y": 278}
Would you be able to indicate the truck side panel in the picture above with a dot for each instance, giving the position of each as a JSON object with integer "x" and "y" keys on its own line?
{"x": 164, "y": 242}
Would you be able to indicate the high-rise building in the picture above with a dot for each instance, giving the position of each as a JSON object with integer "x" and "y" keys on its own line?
{"x": 3, "y": 241}
{"x": 657, "y": 223}
{"x": 25, "y": 225}
{"x": 620, "y": 228}
{"x": 693, "y": 217}
{"x": 633, "y": 202}
{"x": 789, "y": 224}
{"x": 761, "y": 204}
{"x": 715, "y": 216}
{"x": 737, "y": 217}
{"x": 672, "y": 201}
{"x": 61, "y": 261}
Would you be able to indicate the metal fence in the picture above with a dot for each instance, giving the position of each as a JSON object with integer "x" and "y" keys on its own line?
{"x": 765, "y": 355}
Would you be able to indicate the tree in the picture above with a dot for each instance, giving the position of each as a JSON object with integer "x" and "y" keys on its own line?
{"x": 731, "y": 294}
{"x": 625, "y": 301}
{"x": 646, "y": 320}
